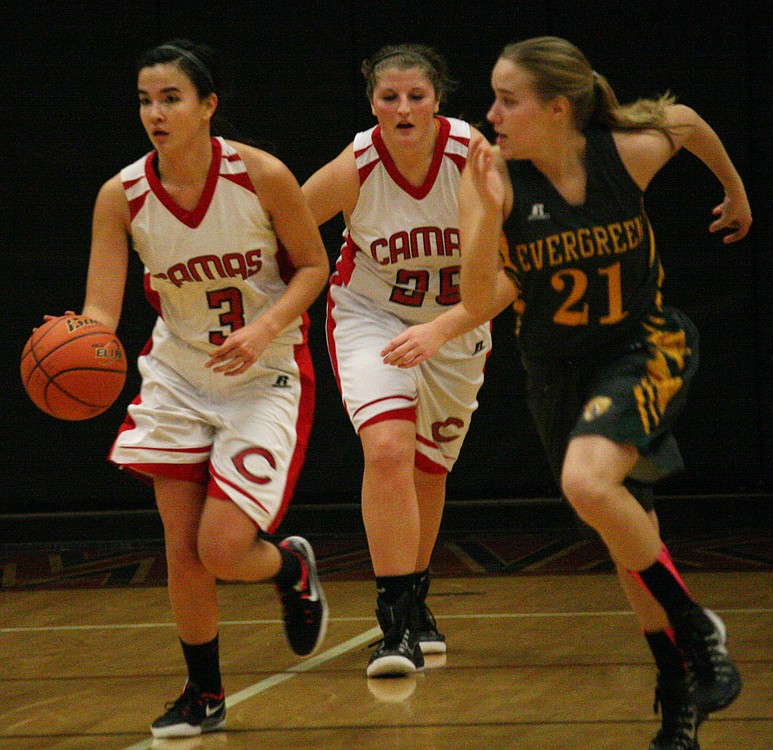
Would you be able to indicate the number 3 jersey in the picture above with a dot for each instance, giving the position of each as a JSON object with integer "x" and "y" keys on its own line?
{"x": 586, "y": 274}
{"x": 211, "y": 270}
{"x": 401, "y": 245}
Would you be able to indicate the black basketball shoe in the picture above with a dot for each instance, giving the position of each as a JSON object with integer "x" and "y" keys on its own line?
{"x": 675, "y": 697}
{"x": 431, "y": 640}
{"x": 304, "y": 606}
{"x": 701, "y": 635}
{"x": 398, "y": 653}
{"x": 191, "y": 714}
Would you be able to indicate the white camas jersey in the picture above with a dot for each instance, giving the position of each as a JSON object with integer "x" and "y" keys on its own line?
{"x": 401, "y": 248}
{"x": 399, "y": 266}
{"x": 208, "y": 272}
{"x": 211, "y": 270}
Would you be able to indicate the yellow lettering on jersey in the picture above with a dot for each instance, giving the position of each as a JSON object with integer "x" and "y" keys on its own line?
{"x": 601, "y": 237}
{"x": 554, "y": 257}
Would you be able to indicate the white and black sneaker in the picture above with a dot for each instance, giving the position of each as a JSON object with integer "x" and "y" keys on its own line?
{"x": 193, "y": 713}
{"x": 399, "y": 652}
{"x": 431, "y": 640}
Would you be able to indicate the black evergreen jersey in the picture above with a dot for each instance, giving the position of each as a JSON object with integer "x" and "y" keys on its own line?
{"x": 586, "y": 274}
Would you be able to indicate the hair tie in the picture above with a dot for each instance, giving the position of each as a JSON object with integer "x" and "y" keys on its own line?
{"x": 197, "y": 63}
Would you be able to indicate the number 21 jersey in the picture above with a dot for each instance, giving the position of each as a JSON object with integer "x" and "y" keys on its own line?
{"x": 586, "y": 274}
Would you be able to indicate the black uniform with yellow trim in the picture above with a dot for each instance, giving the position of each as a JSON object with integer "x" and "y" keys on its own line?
{"x": 602, "y": 353}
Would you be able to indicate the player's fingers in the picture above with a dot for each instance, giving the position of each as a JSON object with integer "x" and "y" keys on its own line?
{"x": 739, "y": 234}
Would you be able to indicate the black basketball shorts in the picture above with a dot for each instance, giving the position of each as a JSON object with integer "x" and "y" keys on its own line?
{"x": 630, "y": 395}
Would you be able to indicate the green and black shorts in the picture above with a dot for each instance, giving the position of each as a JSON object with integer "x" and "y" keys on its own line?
{"x": 630, "y": 395}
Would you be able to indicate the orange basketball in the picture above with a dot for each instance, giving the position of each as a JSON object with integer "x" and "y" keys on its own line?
{"x": 73, "y": 367}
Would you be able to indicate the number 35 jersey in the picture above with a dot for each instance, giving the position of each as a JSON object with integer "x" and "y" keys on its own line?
{"x": 211, "y": 270}
{"x": 586, "y": 274}
{"x": 401, "y": 245}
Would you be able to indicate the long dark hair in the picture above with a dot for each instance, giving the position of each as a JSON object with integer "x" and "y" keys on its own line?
{"x": 206, "y": 71}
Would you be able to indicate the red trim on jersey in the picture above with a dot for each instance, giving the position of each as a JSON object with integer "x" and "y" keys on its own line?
{"x": 242, "y": 179}
{"x": 189, "y": 472}
{"x": 425, "y": 441}
{"x": 386, "y": 398}
{"x": 459, "y": 139}
{"x": 214, "y": 489}
{"x": 364, "y": 172}
{"x": 135, "y": 204}
{"x": 345, "y": 263}
{"x": 192, "y": 218}
{"x": 420, "y": 191}
{"x": 457, "y": 159}
{"x": 284, "y": 262}
{"x": 129, "y": 424}
{"x": 330, "y": 325}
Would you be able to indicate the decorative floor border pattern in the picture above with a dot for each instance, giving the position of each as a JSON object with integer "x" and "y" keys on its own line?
{"x": 345, "y": 557}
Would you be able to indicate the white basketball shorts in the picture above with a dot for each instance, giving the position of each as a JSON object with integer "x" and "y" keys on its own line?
{"x": 244, "y": 436}
{"x": 439, "y": 394}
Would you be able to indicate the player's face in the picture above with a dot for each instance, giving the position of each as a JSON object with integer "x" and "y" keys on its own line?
{"x": 170, "y": 109}
{"x": 520, "y": 118}
{"x": 404, "y": 103}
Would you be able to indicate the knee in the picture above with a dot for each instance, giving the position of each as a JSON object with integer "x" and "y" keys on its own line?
{"x": 389, "y": 455}
{"x": 585, "y": 492}
{"x": 221, "y": 554}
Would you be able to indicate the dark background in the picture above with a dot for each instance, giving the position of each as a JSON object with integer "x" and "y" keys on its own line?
{"x": 70, "y": 121}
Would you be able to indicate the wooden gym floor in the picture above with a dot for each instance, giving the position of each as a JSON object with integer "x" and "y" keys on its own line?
{"x": 538, "y": 659}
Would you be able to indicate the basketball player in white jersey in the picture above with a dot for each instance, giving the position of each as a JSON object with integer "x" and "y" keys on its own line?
{"x": 233, "y": 260}
{"x": 407, "y": 356}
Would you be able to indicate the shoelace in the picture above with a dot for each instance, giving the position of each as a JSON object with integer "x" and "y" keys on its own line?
{"x": 680, "y": 720}
{"x": 710, "y": 658}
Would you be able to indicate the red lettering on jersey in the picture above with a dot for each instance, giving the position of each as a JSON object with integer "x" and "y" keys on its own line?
{"x": 214, "y": 267}
{"x": 421, "y": 242}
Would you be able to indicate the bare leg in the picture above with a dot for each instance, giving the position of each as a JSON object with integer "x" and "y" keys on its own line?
{"x": 592, "y": 481}
{"x": 390, "y": 509}
{"x": 431, "y": 492}
{"x": 191, "y": 586}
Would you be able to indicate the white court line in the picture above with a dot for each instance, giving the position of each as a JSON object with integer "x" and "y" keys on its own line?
{"x": 342, "y": 648}
{"x": 288, "y": 674}
{"x": 468, "y": 616}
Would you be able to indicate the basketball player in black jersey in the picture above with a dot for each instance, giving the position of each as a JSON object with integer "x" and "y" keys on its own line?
{"x": 608, "y": 364}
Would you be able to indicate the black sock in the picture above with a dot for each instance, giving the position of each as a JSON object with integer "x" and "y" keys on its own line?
{"x": 421, "y": 585}
{"x": 668, "y": 657}
{"x": 391, "y": 588}
{"x": 664, "y": 583}
{"x": 203, "y": 661}
{"x": 290, "y": 570}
